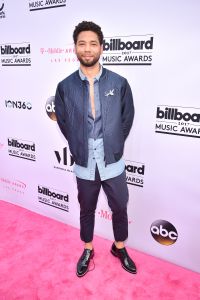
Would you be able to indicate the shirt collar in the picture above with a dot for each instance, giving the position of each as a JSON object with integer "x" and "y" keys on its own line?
{"x": 83, "y": 77}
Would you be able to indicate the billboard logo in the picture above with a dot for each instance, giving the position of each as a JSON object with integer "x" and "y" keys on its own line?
{"x": 128, "y": 50}
{"x": 53, "y": 197}
{"x": 16, "y": 54}
{"x": 182, "y": 121}
{"x": 46, "y": 4}
{"x": 22, "y": 149}
{"x": 135, "y": 173}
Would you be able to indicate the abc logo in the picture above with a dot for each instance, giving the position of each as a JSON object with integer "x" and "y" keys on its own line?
{"x": 164, "y": 232}
{"x": 50, "y": 108}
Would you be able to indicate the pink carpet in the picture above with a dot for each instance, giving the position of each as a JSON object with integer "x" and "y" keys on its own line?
{"x": 38, "y": 259}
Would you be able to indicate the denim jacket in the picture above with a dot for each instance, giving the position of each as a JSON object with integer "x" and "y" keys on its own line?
{"x": 117, "y": 108}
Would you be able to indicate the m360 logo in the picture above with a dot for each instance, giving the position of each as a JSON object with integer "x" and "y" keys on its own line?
{"x": 17, "y": 54}
{"x": 164, "y": 232}
{"x": 128, "y": 50}
{"x": 18, "y": 104}
{"x": 182, "y": 121}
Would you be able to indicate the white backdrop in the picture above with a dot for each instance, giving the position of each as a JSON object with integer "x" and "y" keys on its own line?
{"x": 162, "y": 151}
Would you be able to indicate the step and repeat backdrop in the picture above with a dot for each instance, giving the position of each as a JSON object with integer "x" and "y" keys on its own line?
{"x": 153, "y": 44}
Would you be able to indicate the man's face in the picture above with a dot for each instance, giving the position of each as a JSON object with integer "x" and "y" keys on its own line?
{"x": 88, "y": 48}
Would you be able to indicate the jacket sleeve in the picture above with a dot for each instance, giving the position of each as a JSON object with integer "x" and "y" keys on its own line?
{"x": 60, "y": 111}
{"x": 128, "y": 110}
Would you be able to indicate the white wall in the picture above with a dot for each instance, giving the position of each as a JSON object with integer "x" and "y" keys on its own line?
{"x": 168, "y": 164}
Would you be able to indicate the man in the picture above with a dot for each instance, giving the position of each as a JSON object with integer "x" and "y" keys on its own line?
{"x": 94, "y": 109}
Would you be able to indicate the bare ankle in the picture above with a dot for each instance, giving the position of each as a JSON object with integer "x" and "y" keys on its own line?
{"x": 88, "y": 246}
{"x": 119, "y": 245}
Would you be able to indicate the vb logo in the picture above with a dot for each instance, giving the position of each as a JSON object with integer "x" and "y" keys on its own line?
{"x": 65, "y": 157}
{"x": 164, "y": 232}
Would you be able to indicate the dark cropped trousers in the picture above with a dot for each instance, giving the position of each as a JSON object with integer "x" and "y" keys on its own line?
{"x": 116, "y": 191}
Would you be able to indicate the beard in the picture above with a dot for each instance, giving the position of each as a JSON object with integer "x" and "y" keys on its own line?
{"x": 86, "y": 63}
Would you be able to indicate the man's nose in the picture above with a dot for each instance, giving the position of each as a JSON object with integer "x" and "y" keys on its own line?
{"x": 87, "y": 47}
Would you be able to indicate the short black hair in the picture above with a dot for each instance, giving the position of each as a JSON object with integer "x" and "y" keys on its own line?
{"x": 88, "y": 26}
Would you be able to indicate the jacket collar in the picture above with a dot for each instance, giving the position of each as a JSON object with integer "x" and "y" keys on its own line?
{"x": 103, "y": 74}
{"x": 83, "y": 77}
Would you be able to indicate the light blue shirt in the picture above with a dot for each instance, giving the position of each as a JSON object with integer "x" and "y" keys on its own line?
{"x": 95, "y": 143}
